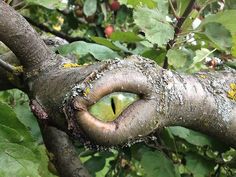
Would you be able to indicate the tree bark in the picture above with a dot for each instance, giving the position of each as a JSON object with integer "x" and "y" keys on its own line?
{"x": 61, "y": 96}
{"x": 199, "y": 102}
{"x": 63, "y": 153}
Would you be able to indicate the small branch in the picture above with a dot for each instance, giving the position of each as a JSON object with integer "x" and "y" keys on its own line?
{"x": 7, "y": 66}
{"x": 178, "y": 26}
{"x": 10, "y": 76}
{"x": 173, "y": 9}
{"x": 63, "y": 152}
{"x": 10, "y": 68}
{"x": 184, "y": 17}
{"x": 23, "y": 41}
{"x": 54, "y": 32}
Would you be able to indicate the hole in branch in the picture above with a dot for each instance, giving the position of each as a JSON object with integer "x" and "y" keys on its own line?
{"x": 113, "y": 105}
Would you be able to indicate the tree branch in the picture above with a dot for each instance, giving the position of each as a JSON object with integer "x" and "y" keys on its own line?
{"x": 64, "y": 157}
{"x": 7, "y": 66}
{"x": 54, "y": 32}
{"x": 21, "y": 38}
{"x": 16, "y": 70}
{"x": 12, "y": 79}
{"x": 178, "y": 26}
{"x": 200, "y": 102}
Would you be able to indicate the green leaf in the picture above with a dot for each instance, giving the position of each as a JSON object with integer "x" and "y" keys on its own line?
{"x": 163, "y": 6}
{"x": 226, "y": 18}
{"x": 157, "y": 56}
{"x": 230, "y": 4}
{"x": 231, "y": 64}
{"x": 176, "y": 58}
{"x": 8, "y": 134}
{"x": 135, "y": 3}
{"x": 125, "y": 37}
{"x": 199, "y": 166}
{"x": 95, "y": 164}
{"x": 81, "y": 48}
{"x": 25, "y": 115}
{"x": 201, "y": 55}
{"x": 90, "y": 7}
{"x": 105, "y": 42}
{"x": 22, "y": 111}
{"x": 52, "y": 4}
{"x": 197, "y": 61}
{"x": 8, "y": 119}
{"x": 219, "y": 35}
{"x": 181, "y": 6}
{"x": 155, "y": 164}
{"x": 191, "y": 136}
{"x": 233, "y": 50}
{"x": 20, "y": 161}
{"x": 19, "y": 154}
{"x": 157, "y": 30}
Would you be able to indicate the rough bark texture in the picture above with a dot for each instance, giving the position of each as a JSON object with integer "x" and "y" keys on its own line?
{"x": 36, "y": 59}
{"x": 21, "y": 38}
{"x": 63, "y": 153}
{"x": 197, "y": 101}
{"x": 61, "y": 96}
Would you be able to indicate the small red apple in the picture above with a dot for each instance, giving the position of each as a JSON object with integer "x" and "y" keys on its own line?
{"x": 114, "y": 5}
{"x": 109, "y": 30}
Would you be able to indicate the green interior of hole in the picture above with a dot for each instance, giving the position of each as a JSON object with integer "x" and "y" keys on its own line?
{"x": 111, "y": 106}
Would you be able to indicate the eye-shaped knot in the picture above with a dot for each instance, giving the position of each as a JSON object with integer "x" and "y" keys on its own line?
{"x": 122, "y": 119}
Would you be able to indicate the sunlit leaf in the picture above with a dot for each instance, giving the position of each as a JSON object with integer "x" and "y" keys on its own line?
{"x": 219, "y": 35}
{"x": 135, "y": 3}
{"x": 105, "y": 42}
{"x": 157, "y": 30}
{"x": 125, "y": 37}
{"x": 82, "y": 48}
{"x": 176, "y": 58}
{"x": 90, "y": 7}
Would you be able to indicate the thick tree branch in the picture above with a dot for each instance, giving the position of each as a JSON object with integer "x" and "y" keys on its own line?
{"x": 63, "y": 153}
{"x": 200, "y": 102}
{"x": 21, "y": 38}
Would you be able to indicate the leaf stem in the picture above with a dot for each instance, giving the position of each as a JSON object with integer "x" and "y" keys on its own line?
{"x": 173, "y": 9}
{"x": 178, "y": 29}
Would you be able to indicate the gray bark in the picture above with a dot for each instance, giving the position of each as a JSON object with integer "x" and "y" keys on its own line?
{"x": 197, "y": 101}
{"x": 60, "y": 95}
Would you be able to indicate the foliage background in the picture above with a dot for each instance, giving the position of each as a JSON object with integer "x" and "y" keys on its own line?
{"x": 205, "y": 41}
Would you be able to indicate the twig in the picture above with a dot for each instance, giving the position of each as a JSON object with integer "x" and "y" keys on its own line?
{"x": 173, "y": 9}
{"x": 8, "y": 67}
{"x": 64, "y": 155}
{"x": 54, "y": 32}
{"x": 178, "y": 29}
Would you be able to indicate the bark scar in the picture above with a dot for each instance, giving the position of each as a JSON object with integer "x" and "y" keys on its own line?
{"x": 38, "y": 110}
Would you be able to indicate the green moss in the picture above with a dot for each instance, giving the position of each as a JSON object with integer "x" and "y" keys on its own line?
{"x": 232, "y": 92}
